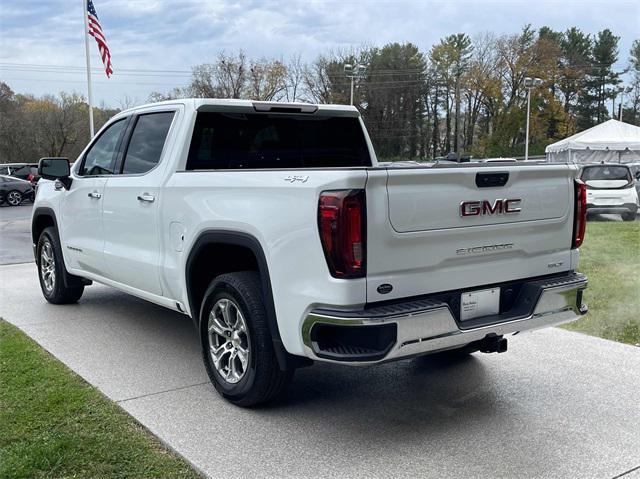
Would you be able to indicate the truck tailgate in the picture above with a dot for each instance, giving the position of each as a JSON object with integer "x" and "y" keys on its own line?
{"x": 438, "y": 229}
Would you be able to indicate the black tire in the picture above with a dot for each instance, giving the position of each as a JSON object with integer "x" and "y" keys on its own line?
{"x": 14, "y": 198}
{"x": 630, "y": 216}
{"x": 262, "y": 379}
{"x": 65, "y": 288}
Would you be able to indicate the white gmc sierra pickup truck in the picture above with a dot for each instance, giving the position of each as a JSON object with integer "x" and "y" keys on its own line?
{"x": 274, "y": 227}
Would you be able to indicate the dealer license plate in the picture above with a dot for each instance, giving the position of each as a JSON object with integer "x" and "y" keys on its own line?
{"x": 474, "y": 304}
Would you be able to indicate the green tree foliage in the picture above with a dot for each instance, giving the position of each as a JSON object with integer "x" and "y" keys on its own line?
{"x": 632, "y": 92}
{"x": 392, "y": 100}
{"x": 601, "y": 80}
{"x": 451, "y": 59}
{"x": 575, "y": 61}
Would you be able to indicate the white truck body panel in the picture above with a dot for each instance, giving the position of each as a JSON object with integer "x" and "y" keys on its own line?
{"x": 226, "y": 200}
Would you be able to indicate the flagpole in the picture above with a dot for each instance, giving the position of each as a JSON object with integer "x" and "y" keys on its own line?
{"x": 86, "y": 48}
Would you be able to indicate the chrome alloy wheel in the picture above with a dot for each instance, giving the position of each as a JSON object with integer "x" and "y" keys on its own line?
{"x": 14, "y": 198}
{"x": 228, "y": 340}
{"x": 47, "y": 266}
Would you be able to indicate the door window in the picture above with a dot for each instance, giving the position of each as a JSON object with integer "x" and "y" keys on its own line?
{"x": 147, "y": 142}
{"x": 101, "y": 157}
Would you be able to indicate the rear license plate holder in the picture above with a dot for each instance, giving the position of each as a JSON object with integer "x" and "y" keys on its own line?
{"x": 483, "y": 302}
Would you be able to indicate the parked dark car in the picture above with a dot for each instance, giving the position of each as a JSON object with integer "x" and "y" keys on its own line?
{"x": 9, "y": 168}
{"x": 13, "y": 191}
{"x": 28, "y": 172}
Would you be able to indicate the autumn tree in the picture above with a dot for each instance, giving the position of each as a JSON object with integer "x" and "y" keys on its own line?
{"x": 266, "y": 80}
{"x": 31, "y": 127}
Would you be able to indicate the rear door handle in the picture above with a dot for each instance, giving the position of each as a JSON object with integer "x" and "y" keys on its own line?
{"x": 95, "y": 194}
{"x": 146, "y": 198}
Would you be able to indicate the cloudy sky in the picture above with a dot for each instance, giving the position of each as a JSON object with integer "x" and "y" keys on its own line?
{"x": 154, "y": 43}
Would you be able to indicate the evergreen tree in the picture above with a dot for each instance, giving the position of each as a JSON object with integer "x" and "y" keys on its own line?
{"x": 576, "y": 49}
{"x": 601, "y": 82}
{"x": 631, "y": 112}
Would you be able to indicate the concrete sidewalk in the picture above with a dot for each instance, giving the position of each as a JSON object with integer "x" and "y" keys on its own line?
{"x": 558, "y": 404}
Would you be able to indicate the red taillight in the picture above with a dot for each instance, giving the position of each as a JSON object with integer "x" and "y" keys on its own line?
{"x": 342, "y": 226}
{"x": 580, "y": 213}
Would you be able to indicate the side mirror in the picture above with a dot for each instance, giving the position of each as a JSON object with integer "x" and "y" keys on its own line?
{"x": 638, "y": 175}
{"x": 55, "y": 169}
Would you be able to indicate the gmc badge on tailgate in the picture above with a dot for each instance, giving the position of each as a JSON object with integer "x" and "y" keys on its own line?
{"x": 485, "y": 207}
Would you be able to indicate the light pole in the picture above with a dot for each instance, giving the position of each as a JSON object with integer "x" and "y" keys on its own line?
{"x": 529, "y": 83}
{"x": 622, "y": 91}
{"x": 352, "y": 72}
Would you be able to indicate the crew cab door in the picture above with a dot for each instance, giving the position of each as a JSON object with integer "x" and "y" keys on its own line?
{"x": 131, "y": 205}
{"x": 80, "y": 222}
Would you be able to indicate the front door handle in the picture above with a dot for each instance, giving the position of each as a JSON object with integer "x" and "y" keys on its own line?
{"x": 146, "y": 198}
{"x": 95, "y": 194}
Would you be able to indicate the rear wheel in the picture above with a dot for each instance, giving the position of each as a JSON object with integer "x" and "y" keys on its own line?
{"x": 629, "y": 216}
{"x": 14, "y": 198}
{"x": 54, "y": 279}
{"x": 236, "y": 343}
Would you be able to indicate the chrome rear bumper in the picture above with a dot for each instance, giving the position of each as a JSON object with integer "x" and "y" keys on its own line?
{"x": 426, "y": 326}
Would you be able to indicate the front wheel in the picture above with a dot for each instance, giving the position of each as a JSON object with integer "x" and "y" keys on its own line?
{"x": 14, "y": 198}
{"x": 237, "y": 348}
{"x": 629, "y": 216}
{"x": 54, "y": 279}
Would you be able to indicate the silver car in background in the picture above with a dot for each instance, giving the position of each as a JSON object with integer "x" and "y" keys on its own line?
{"x": 610, "y": 189}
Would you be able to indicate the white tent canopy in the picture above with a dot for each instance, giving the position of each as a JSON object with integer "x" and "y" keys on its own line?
{"x": 611, "y": 141}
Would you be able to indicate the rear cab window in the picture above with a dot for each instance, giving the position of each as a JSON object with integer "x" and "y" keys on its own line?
{"x": 233, "y": 141}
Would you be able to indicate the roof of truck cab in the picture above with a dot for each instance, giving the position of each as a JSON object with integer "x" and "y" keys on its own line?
{"x": 224, "y": 103}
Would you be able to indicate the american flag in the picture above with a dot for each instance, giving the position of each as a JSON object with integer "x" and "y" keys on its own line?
{"x": 95, "y": 30}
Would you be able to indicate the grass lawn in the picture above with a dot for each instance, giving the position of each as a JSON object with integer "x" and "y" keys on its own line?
{"x": 53, "y": 424}
{"x": 610, "y": 257}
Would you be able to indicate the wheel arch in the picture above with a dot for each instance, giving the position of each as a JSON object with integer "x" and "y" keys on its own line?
{"x": 224, "y": 240}
{"x": 42, "y": 218}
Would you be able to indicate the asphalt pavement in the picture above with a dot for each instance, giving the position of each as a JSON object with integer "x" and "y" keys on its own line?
{"x": 557, "y": 404}
{"x": 15, "y": 236}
